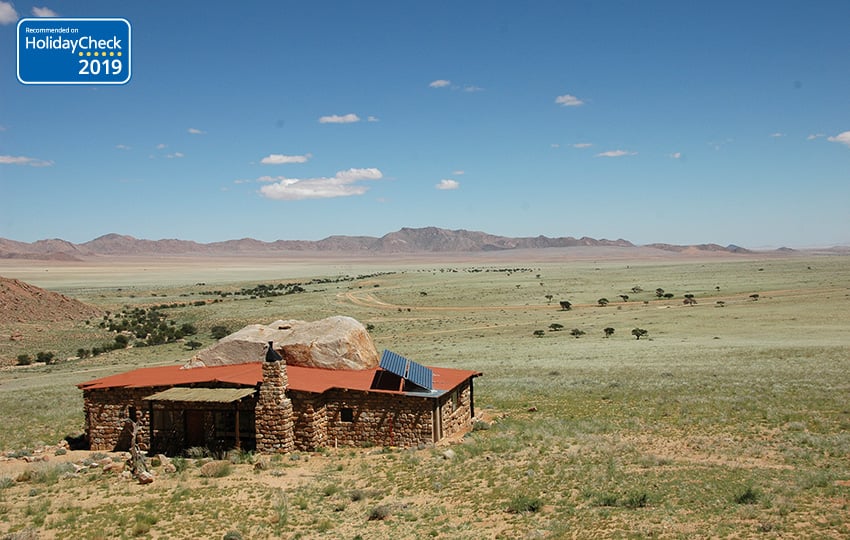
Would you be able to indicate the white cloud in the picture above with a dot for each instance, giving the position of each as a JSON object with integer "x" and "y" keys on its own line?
{"x": 175, "y": 155}
{"x": 2, "y": 128}
{"x": 342, "y": 184}
{"x": 554, "y": 145}
{"x": 568, "y": 100}
{"x": 676, "y": 155}
{"x": 472, "y": 88}
{"x": 373, "y": 119}
{"x": 814, "y": 136}
{"x": 337, "y": 119}
{"x": 122, "y": 147}
{"x": 280, "y": 159}
{"x": 8, "y": 15}
{"x": 448, "y": 183}
{"x": 777, "y": 134}
{"x": 459, "y": 172}
{"x": 160, "y": 146}
{"x": 582, "y": 145}
{"x": 843, "y": 138}
{"x": 44, "y": 12}
{"x": 24, "y": 160}
{"x": 196, "y": 131}
{"x": 440, "y": 83}
{"x": 616, "y": 153}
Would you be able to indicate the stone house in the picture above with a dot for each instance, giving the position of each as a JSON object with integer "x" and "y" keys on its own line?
{"x": 270, "y": 406}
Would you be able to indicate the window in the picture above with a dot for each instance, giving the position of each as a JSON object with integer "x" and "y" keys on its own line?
{"x": 347, "y": 414}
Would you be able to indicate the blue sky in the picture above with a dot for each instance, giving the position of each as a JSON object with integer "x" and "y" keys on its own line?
{"x": 680, "y": 122}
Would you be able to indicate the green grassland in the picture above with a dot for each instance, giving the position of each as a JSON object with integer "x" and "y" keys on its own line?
{"x": 730, "y": 418}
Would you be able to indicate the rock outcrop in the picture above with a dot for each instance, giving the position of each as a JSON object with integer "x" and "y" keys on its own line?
{"x": 333, "y": 343}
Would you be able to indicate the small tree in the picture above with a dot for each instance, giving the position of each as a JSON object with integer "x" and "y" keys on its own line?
{"x": 659, "y": 292}
{"x": 549, "y": 298}
{"x": 636, "y": 289}
{"x": 576, "y": 333}
{"x": 625, "y": 297}
{"x": 555, "y": 327}
{"x": 602, "y": 302}
{"x": 639, "y": 333}
{"x": 608, "y": 332}
{"x": 44, "y": 357}
{"x": 566, "y": 305}
{"x": 24, "y": 360}
{"x": 192, "y": 344}
{"x": 539, "y": 333}
{"x": 689, "y": 300}
{"x": 669, "y": 295}
{"x": 755, "y": 297}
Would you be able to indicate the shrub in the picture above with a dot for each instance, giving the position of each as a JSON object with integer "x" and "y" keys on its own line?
{"x": 232, "y": 535}
{"x": 521, "y": 504}
{"x": 45, "y": 357}
{"x": 218, "y": 331}
{"x": 24, "y": 360}
{"x": 748, "y": 496}
{"x": 636, "y": 500}
{"x": 216, "y": 469}
{"x": 380, "y": 512}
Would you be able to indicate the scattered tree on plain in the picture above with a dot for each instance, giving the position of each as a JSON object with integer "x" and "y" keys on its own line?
{"x": 539, "y": 333}
{"x": 639, "y": 333}
{"x": 602, "y": 302}
{"x": 566, "y": 305}
{"x": 576, "y": 333}
{"x": 555, "y": 327}
{"x": 625, "y": 297}
{"x": 755, "y": 297}
{"x": 659, "y": 292}
{"x": 608, "y": 332}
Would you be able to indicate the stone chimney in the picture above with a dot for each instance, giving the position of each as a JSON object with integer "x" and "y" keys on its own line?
{"x": 273, "y": 412}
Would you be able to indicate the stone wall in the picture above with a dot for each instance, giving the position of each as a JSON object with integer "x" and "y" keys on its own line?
{"x": 376, "y": 419}
{"x": 310, "y": 417}
{"x": 107, "y": 411}
{"x": 456, "y": 410}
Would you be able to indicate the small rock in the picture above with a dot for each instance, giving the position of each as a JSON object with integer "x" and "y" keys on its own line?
{"x": 145, "y": 478}
{"x": 449, "y": 454}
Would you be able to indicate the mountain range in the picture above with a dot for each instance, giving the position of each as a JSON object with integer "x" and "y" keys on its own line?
{"x": 405, "y": 240}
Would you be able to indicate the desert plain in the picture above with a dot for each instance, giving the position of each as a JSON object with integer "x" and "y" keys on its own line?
{"x": 728, "y": 418}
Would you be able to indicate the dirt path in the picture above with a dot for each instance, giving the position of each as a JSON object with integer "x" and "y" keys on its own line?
{"x": 369, "y": 300}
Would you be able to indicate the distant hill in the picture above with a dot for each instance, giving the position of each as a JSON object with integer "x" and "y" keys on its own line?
{"x": 405, "y": 240}
{"x": 22, "y": 302}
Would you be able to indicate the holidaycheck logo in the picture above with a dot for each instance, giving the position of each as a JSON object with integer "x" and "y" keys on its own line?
{"x": 74, "y": 51}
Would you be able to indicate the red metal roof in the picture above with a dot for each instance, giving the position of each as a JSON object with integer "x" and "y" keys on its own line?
{"x": 304, "y": 379}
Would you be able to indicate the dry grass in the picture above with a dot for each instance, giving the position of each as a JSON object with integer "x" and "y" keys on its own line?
{"x": 723, "y": 422}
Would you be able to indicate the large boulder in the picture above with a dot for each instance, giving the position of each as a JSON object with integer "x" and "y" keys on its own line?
{"x": 334, "y": 343}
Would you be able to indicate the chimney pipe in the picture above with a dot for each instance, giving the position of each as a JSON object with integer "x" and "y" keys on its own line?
{"x": 272, "y": 355}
